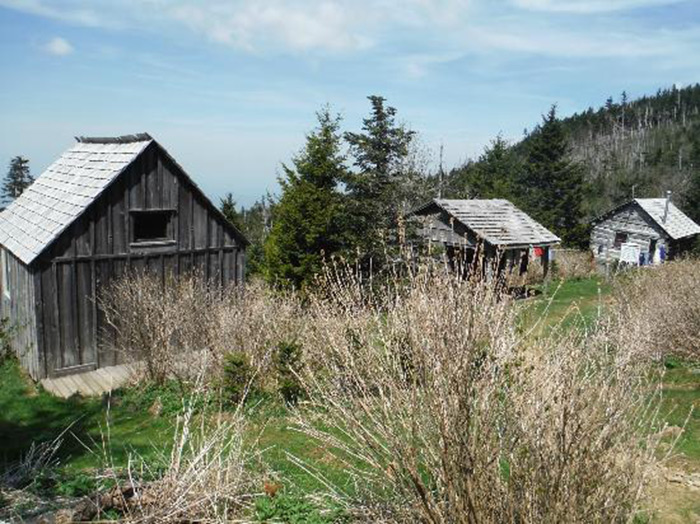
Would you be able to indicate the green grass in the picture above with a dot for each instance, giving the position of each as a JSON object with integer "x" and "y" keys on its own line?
{"x": 28, "y": 414}
{"x": 681, "y": 405}
{"x": 565, "y": 304}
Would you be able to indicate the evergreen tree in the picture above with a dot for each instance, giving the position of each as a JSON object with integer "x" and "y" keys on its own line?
{"x": 17, "y": 180}
{"x": 495, "y": 173}
{"x": 552, "y": 185}
{"x": 256, "y": 227}
{"x": 228, "y": 207}
{"x": 308, "y": 219}
{"x": 374, "y": 189}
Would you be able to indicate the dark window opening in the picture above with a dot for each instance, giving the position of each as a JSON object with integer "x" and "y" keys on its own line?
{"x": 620, "y": 238}
{"x": 152, "y": 226}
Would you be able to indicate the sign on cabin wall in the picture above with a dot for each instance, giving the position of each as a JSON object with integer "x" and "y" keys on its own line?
{"x": 629, "y": 254}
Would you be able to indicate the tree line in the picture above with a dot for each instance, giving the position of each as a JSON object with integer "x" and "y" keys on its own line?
{"x": 344, "y": 192}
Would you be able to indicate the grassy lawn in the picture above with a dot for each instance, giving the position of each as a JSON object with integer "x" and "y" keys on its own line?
{"x": 565, "y": 304}
{"x": 28, "y": 414}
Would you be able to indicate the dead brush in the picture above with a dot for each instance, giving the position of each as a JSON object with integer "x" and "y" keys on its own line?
{"x": 174, "y": 327}
{"x": 205, "y": 477}
{"x": 442, "y": 413}
{"x": 657, "y": 310}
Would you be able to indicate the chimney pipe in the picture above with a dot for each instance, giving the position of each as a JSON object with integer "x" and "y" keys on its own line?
{"x": 668, "y": 201}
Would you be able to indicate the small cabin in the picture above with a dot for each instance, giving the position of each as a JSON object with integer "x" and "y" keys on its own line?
{"x": 106, "y": 207}
{"x": 642, "y": 231}
{"x": 493, "y": 233}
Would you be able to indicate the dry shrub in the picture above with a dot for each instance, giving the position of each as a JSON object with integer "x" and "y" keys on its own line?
{"x": 658, "y": 310}
{"x": 175, "y": 327}
{"x": 442, "y": 414}
{"x": 204, "y": 478}
{"x": 573, "y": 263}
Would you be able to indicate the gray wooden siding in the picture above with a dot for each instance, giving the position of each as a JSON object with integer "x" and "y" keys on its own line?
{"x": 639, "y": 228}
{"x": 21, "y": 311}
{"x": 97, "y": 248}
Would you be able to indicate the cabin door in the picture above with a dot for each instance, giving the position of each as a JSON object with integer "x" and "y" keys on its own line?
{"x": 74, "y": 318}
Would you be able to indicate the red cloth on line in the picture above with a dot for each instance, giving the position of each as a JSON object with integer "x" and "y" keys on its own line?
{"x": 539, "y": 251}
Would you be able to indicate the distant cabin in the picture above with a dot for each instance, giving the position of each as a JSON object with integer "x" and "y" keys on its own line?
{"x": 105, "y": 207}
{"x": 643, "y": 230}
{"x": 493, "y": 233}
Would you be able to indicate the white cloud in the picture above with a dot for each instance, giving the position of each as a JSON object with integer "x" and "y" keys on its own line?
{"x": 58, "y": 46}
{"x": 416, "y": 34}
{"x": 292, "y": 26}
{"x": 588, "y": 6}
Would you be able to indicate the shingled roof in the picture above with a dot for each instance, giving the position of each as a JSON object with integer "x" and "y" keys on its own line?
{"x": 496, "y": 221}
{"x": 677, "y": 224}
{"x": 65, "y": 190}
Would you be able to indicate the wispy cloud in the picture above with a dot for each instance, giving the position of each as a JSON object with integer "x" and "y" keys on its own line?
{"x": 258, "y": 26}
{"x": 589, "y": 6}
{"x": 58, "y": 47}
{"x": 420, "y": 33}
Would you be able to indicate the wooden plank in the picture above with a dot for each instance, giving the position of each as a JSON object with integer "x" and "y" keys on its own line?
{"x": 69, "y": 384}
{"x": 90, "y": 379}
{"x": 108, "y": 382}
{"x": 56, "y": 387}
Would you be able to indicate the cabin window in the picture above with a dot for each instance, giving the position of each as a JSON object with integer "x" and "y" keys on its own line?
{"x": 620, "y": 238}
{"x": 5, "y": 273}
{"x": 151, "y": 226}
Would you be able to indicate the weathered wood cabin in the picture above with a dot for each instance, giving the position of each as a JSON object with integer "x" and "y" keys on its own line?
{"x": 642, "y": 231}
{"x": 106, "y": 206}
{"x": 493, "y": 232}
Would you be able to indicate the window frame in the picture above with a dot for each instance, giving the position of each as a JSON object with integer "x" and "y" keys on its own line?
{"x": 139, "y": 214}
{"x": 618, "y": 244}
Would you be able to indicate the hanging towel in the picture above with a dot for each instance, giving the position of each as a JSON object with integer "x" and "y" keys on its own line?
{"x": 539, "y": 252}
{"x": 662, "y": 253}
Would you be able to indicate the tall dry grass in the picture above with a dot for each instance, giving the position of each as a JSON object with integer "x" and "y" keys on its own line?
{"x": 659, "y": 310}
{"x": 440, "y": 411}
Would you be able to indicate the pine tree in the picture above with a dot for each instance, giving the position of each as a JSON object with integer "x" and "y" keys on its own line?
{"x": 308, "y": 219}
{"x": 374, "y": 189}
{"x": 229, "y": 208}
{"x": 256, "y": 227}
{"x": 495, "y": 173}
{"x": 17, "y": 180}
{"x": 552, "y": 185}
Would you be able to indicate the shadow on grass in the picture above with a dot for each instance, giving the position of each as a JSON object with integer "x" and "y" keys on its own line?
{"x": 29, "y": 415}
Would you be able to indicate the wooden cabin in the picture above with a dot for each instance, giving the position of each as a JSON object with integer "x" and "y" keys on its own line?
{"x": 642, "y": 231}
{"x": 495, "y": 232}
{"x": 106, "y": 206}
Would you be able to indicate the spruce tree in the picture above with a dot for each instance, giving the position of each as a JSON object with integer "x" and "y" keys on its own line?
{"x": 374, "y": 188}
{"x": 495, "y": 173}
{"x": 308, "y": 219}
{"x": 229, "y": 208}
{"x": 552, "y": 184}
{"x": 17, "y": 180}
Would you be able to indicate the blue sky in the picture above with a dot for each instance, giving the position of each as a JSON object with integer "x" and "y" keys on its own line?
{"x": 230, "y": 87}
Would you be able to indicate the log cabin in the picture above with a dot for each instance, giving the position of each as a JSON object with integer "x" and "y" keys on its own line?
{"x": 494, "y": 232}
{"x": 642, "y": 231}
{"x": 107, "y": 206}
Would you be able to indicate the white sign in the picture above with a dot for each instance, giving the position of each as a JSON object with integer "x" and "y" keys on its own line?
{"x": 629, "y": 254}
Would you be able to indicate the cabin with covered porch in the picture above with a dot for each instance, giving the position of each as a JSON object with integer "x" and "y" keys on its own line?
{"x": 492, "y": 235}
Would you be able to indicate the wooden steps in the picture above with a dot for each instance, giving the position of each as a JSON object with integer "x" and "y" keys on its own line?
{"x": 90, "y": 383}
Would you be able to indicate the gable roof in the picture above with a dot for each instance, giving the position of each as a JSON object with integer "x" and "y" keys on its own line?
{"x": 497, "y": 221}
{"x": 65, "y": 190}
{"x": 677, "y": 224}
